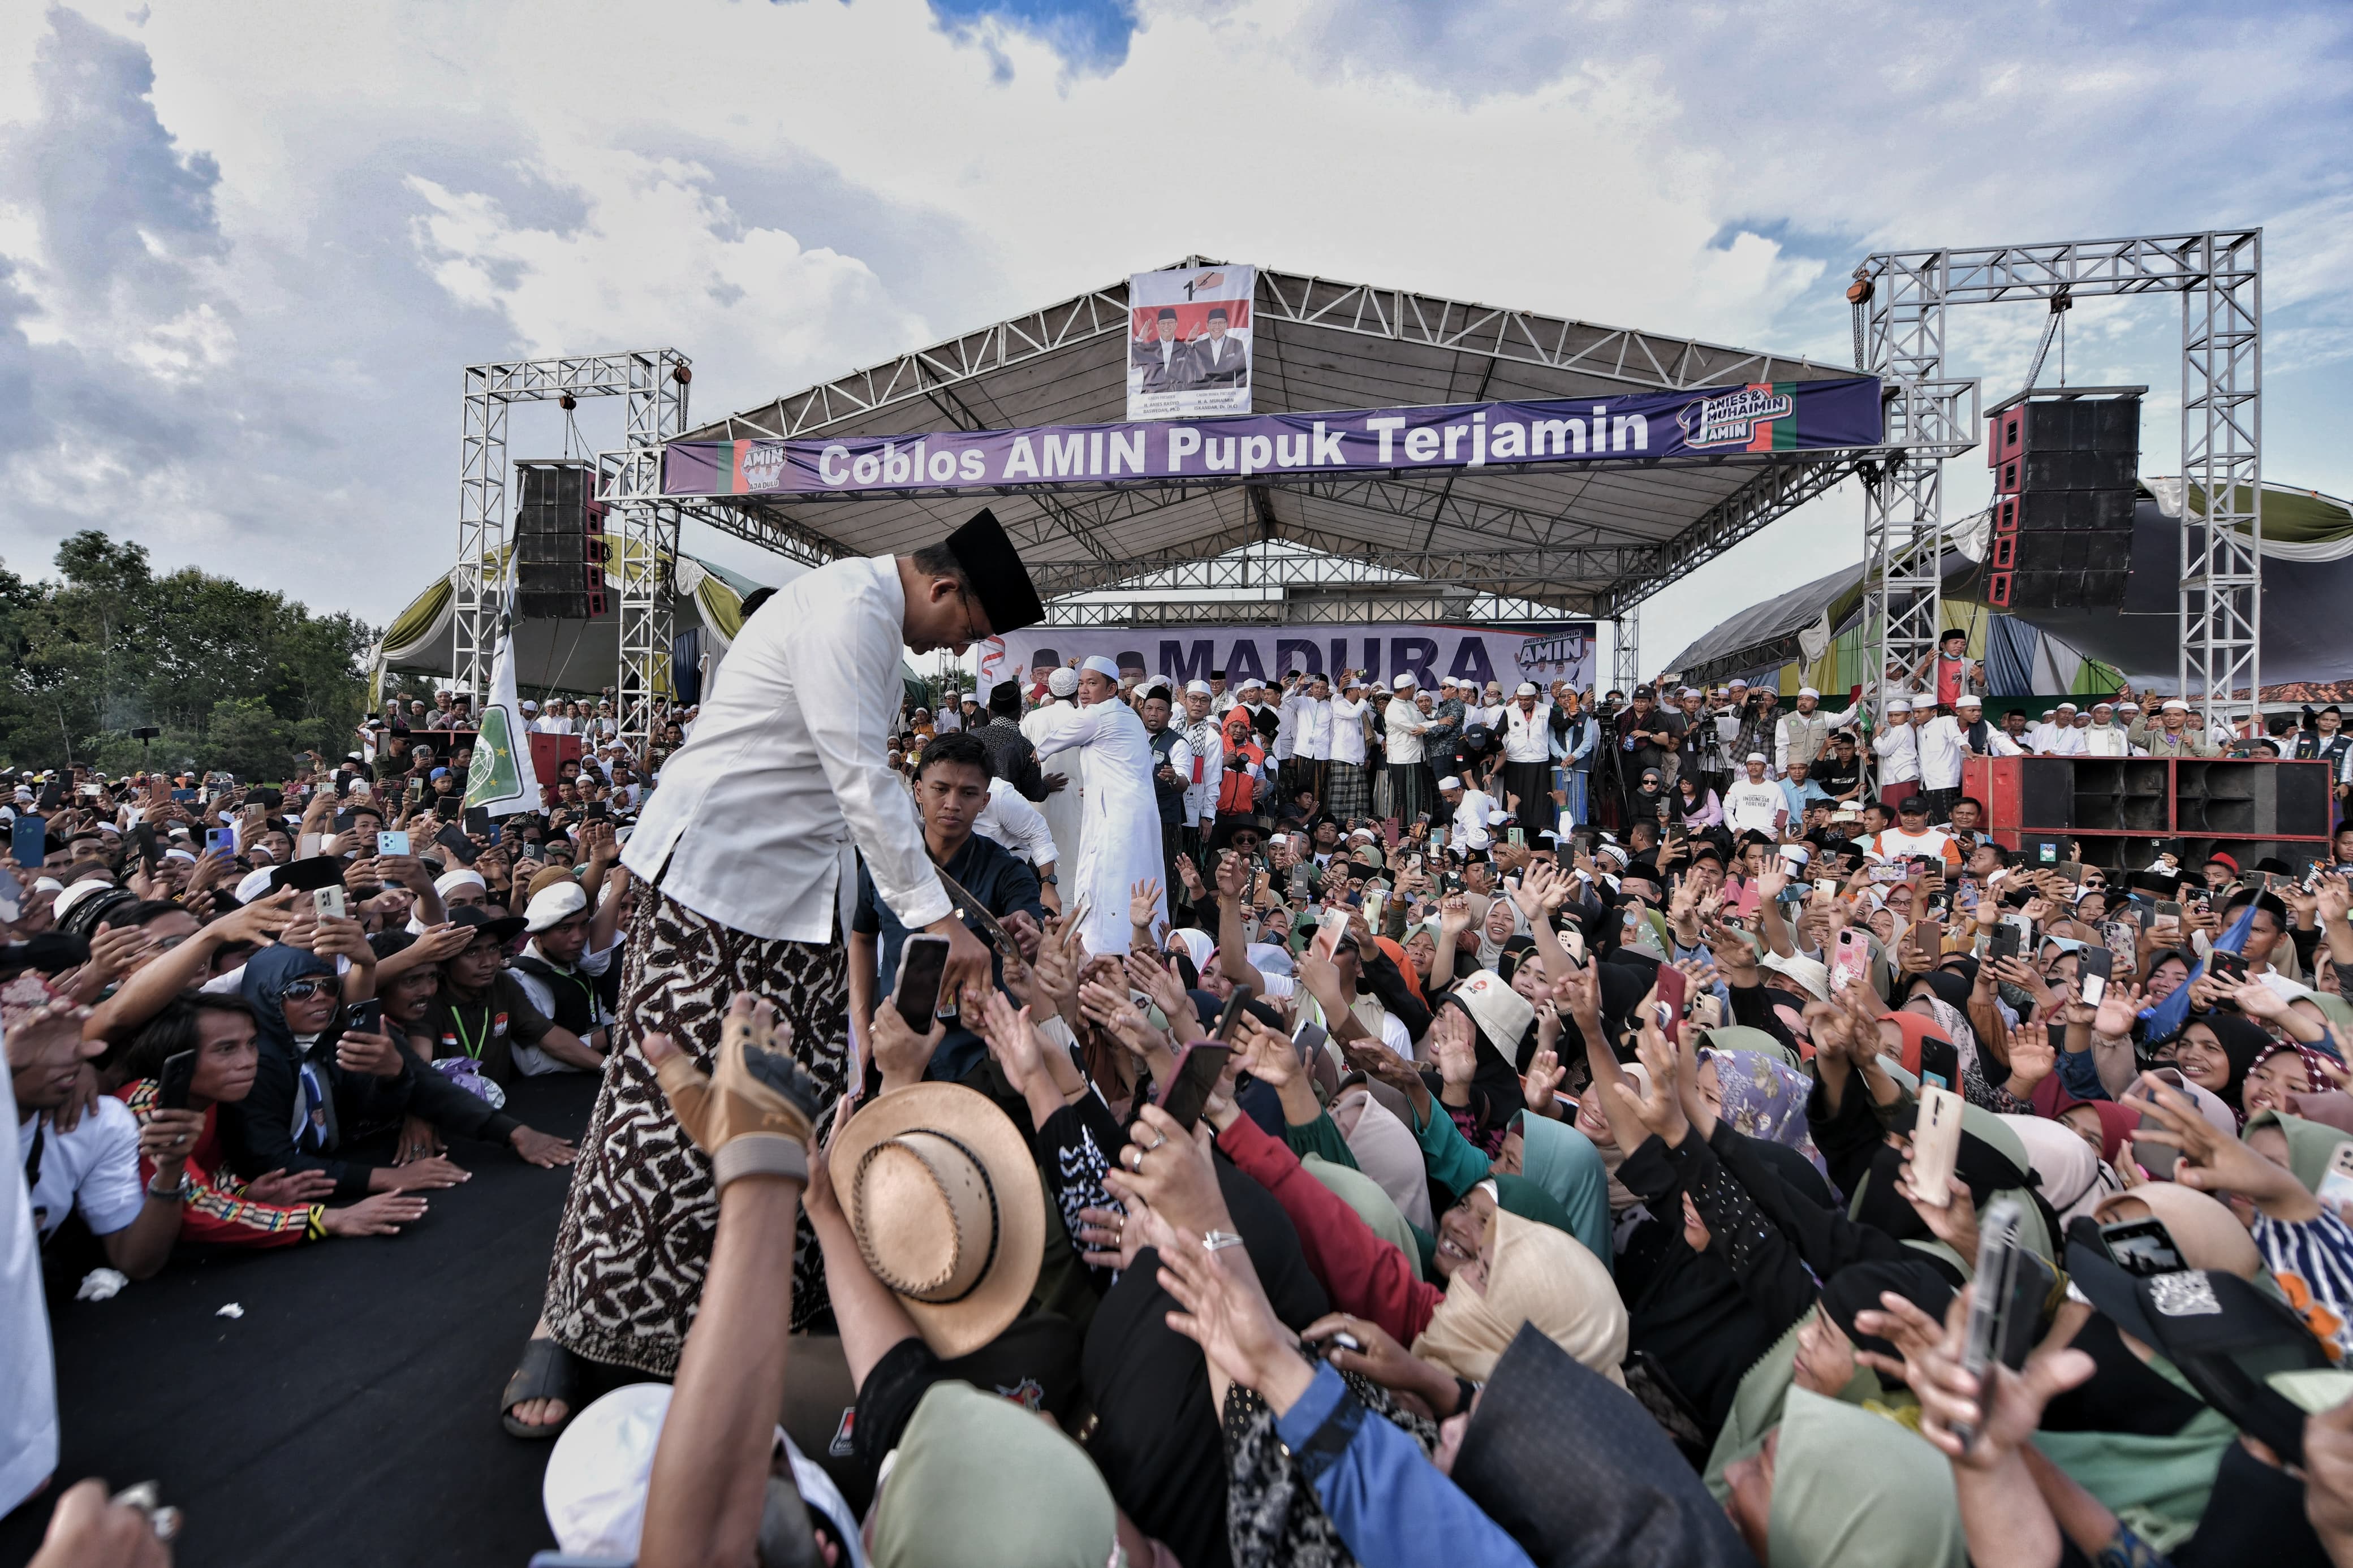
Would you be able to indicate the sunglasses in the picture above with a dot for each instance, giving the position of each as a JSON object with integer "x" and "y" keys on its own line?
{"x": 300, "y": 990}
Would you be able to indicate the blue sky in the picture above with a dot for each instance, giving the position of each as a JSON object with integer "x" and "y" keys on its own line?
{"x": 243, "y": 252}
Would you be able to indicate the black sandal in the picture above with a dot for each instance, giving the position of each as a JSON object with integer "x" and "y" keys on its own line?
{"x": 547, "y": 1371}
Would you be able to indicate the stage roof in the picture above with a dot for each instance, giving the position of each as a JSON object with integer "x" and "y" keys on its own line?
{"x": 1488, "y": 544}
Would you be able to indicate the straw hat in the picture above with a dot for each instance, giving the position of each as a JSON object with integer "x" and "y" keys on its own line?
{"x": 942, "y": 1194}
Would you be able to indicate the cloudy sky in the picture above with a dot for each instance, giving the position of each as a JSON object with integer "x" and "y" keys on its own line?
{"x": 245, "y": 249}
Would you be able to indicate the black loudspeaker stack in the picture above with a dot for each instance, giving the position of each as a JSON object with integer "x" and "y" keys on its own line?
{"x": 2064, "y": 464}
{"x": 559, "y": 542}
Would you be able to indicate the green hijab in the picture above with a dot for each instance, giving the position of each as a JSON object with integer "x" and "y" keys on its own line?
{"x": 1364, "y": 1194}
{"x": 1758, "y": 1402}
{"x": 1563, "y": 1162}
{"x": 1851, "y": 1488}
{"x": 2158, "y": 1486}
{"x": 981, "y": 1481}
{"x": 2310, "y": 1144}
{"x": 1746, "y": 1037}
{"x": 1517, "y": 1194}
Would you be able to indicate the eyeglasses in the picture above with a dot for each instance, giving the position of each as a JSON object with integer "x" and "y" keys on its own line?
{"x": 300, "y": 990}
{"x": 972, "y": 634}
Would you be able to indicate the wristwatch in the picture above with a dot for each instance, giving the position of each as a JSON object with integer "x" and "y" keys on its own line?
{"x": 1052, "y": 879}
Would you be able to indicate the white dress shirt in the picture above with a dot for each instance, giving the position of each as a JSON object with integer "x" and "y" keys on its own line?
{"x": 2066, "y": 741}
{"x": 786, "y": 771}
{"x": 1898, "y": 754}
{"x": 1348, "y": 730}
{"x": 1527, "y": 737}
{"x": 1206, "y": 742}
{"x": 1405, "y": 726}
{"x": 1013, "y": 822}
{"x": 1477, "y": 809}
{"x": 2104, "y": 741}
{"x": 1942, "y": 745}
{"x": 1310, "y": 722}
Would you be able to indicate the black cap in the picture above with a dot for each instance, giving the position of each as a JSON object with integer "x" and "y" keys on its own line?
{"x": 2226, "y": 1336}
{"x": 482, "y": 917}
{"x": 1912, "y": 806}
{"x": 1000, "y": 581}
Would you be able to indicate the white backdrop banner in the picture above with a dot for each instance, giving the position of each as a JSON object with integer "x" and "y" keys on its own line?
{"x": 1560, "y": 652}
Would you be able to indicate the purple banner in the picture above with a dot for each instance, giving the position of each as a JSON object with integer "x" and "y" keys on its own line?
{"x": 1762, "y": 417}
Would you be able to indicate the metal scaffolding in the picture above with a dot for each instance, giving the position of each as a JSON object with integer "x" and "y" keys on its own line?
{"x": 1626, "y": 663}
{"x": 644, "y": 531}
{"x": 1900, "y": 297}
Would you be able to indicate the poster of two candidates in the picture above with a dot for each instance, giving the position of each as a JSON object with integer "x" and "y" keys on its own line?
{"x": 1562, "y": 651}
{"x": 1188, "y": 341}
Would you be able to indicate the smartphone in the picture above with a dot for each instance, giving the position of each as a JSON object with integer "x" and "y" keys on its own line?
{"x": 1298, "y": 880}
{"x": 1390, "y": 829}
{"x": 1935, "y": 1141}
{"x": 1413, "y": 862}
{"x": 2093, "y": 968}
{"x": 2337, "y": 1182}
{"x": 328, "y": 901}
{"x": 2230, "y": 968}
{"x": 1231, "y": 1018}
{"x": 1516, "y": 836}
{"x": 1940, "y": 1063}
{"x": 53, "y": 796}
{"x": 1886, "y": 873}
{"x": 2169, "y": 910}
{"x": 417, "y": 789}
{"x": 392, "y": 841}
{"x": 1375, "y": 903}
{"x": 1929, "y": 936}
{"x": 922, "y": 959}
{"x": 2005, "y": 942}
{"x": 452, "y": 839}
{"x": 220, "y": 841}
{"x": 1793, "y": 895}
{"x": 365, "y": 1018}
{"x": 1198, "y": 1066}
{"x": 1330, "y": 929}
{"x": 2157, "y": 1159}
{"x": 1826, "y": 889}
{"x": 2144, "y": 1246}
{"x": 28, "y": 839}
{"x": 2122, "y": 939}
{"x": 1674, "y": 988}
{"x": 172, "y": 1083}
{"x": 2006, "y": 1299}
{"x": 184, "y": 797}
{"x": 1851, "y": 964}
{"x": 2071, "y": 870}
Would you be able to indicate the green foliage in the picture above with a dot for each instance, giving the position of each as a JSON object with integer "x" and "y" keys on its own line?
{"x": 236, "y": 678}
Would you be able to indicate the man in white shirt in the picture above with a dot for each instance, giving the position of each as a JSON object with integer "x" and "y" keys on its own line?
{"x": 1205, "y": 739}
{"x": 1527, "y": 729}
{"x": 1347, "y": 789}
{"x": 1943, "y": 742}
{"x": 2064, "y": 738}
{"x": 1473, "y": 810}
{"x": 29, "y": 1384}
{"x": 759, "y": 822}
{"x": 1896, "y": 747}
{"x": 1307, "y": 716}
{"x": 1804, "y": 732}
{"x": 1119, "y": 844}
{"x": 1403, "y": 724}
{"x": 2104, "y": 737}
{"x": 1012, "y": 821}
{"x": 1755, "y": 804}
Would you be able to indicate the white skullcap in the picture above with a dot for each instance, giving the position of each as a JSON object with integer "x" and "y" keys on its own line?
{"x": 1363, "y": 833}
{"x": 1807, "y": 691}
{"x": 528, "y": 707}
{"x": 1063, "y": 682}
{"x": 1737, "y": 683}
{"x": 2174, "y": 705}
{"x": 48, "y": 885}
{"x": 1797, "y": 853}
{"x": 1197, "y": 688}
{"x": 1528, "y": 688}
{"x": 1099, "y": 665}
{"x": 255, "y": 884}
{"x": 180, "y": 854}
{"x": 1966, "y": 700}
{"x": 1444, "y": 681}
{"x": 463, "y": 877}
{"x": 1898, "y": 705}
{"x": 557, "y": 901}
{"x": 1755, "y": 757}
{"x": 1253, "y": 684}
{"x": 81, "y": 894}
{"x": 2127, "y": 706}
{"x": 1450, "y": 781}
{"x": 594, "y": 1488}
{"x": 2109, "y": 706}
{"x": 1407, "y": 683}
{"x": 2066, "y": 706}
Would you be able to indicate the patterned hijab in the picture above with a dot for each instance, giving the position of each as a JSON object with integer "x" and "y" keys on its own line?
{"x": 1764, "y": 1097}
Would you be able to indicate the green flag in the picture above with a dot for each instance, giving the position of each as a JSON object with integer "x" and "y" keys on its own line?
{"x": 502, "y": 778}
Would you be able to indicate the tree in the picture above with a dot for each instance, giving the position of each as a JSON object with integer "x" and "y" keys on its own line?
{"x": 236, "y": 677}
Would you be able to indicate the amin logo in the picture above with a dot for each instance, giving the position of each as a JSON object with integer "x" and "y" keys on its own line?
{"x": 763, "y": 464}
{"x": 1731, "y": 420}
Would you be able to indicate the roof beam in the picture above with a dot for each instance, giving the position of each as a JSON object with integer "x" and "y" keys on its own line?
{"x": 1778, "y": 490}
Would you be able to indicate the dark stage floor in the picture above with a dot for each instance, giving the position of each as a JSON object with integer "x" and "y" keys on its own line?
{"x": 349, "y": 1416}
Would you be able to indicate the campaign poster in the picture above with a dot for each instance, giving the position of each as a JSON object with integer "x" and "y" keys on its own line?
{"x": 1188, "y": 341}
{"x": 1563, "y": 652}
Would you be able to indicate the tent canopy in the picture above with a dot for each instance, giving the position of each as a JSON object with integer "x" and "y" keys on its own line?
{"x": 564, "y": 656}
{"x": 1579, "y": 540}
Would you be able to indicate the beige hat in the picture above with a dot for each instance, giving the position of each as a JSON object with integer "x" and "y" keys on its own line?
{"x": 1502, "y": 1014}
{"x": 942, "y": 1194}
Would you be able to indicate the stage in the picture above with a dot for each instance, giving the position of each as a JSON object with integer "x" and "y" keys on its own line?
{"x": 351, "y": 1415}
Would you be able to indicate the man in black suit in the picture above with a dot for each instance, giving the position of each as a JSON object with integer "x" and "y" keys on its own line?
{"x": 1220, "y": 359}
{"x": 1166, "y": 363}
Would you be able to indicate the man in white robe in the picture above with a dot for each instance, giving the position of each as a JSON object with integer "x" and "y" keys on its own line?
{"x": 1120, "y": 840}
{"x": 1064, "y": 809}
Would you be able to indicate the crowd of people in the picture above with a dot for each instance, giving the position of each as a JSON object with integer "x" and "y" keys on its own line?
{"x": 1343, "y": 1122}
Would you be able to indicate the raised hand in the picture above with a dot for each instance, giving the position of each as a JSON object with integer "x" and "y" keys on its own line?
{"x": 1541, "y": 1083}
{"x": 2032, "y": 1057}
{"x": 1143, "y": 903}
{"x": 1453, "y": 1044}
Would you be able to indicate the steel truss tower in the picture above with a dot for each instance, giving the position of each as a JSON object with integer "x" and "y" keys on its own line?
{"x": 1901, "y": 297}
{"x": 643, "y": 532}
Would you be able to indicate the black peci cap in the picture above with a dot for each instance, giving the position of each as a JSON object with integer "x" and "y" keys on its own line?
{"x": 1000, "y": 581}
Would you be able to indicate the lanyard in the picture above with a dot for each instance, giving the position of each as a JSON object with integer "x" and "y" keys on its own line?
{"x": 458, "y": 1023}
